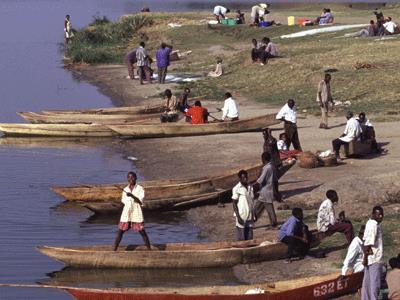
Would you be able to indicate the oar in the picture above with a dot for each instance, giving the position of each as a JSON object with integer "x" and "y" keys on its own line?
{"x": 219, "y": 120}
{"x": 127, "y": 194}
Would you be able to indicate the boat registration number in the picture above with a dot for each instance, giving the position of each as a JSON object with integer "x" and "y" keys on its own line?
{"x": 330, "y": 287}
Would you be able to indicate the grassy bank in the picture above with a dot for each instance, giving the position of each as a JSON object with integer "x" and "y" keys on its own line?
{"x": 295, "y": 75}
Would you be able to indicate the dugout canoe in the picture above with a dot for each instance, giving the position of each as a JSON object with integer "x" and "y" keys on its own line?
{"x": 37, "y": 118}
{"x": 58, "y": 130}
{"x": 173, "y": 130}
{"x": 174, "y": 255}
{"x": 145, "y": 109}
{"x": 161, "y": 194}
{"x": 320, "y": 287}
{"x": 310, "y": 288}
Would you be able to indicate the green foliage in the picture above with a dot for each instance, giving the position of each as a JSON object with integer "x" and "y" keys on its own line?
{"x": 102, "y": 41}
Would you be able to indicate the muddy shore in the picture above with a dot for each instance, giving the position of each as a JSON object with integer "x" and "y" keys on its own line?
{"x": 361, "y": 183}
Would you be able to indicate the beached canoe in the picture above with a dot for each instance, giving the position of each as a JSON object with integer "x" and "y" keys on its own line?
{"x": 58, "y": 130}
{"x": 146, "y": 109}
{"x": 163, "y": 194}
{"x": 311, "y": 288}
{"x": 37, "y": 118}
{"x": 171, "y": 129}
{"x": 174, "y": 255}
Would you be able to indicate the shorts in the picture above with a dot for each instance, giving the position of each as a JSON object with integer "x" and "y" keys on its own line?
{"x": 125, "y": 226}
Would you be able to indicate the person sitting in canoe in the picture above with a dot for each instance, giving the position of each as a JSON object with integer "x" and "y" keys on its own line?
{"x": 132, "y": 215}
{"x": 294, "y": 233}
{"x": 230, "y": 110}
{"x": 242, "y": 197}
{"x": 170, "y": 113}
{"x": 197, "y": 114}
{"x": 353, "y": 263}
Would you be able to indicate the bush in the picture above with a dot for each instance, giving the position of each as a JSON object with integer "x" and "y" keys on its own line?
{"x": 91, "y": 44}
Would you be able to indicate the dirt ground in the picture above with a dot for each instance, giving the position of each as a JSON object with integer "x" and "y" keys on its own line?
{"x": 361, "y": 183}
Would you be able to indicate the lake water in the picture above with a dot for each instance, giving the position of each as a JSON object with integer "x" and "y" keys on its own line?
{"x": 30, "y": 214}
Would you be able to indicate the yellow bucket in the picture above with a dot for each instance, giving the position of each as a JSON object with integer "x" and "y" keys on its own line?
{"x": 291, "y": 21}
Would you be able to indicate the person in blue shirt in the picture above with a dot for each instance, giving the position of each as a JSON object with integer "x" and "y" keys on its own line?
{"x": 294, "y": 233}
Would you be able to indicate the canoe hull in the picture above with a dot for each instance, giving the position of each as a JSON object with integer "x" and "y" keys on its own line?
{"x": 109, "y": 111}
{"x": 314, "y": 288}
{"x": 174, "y": 130}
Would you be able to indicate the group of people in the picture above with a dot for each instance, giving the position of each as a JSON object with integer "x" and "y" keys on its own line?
{"x": 382, "y": 26}
{"x": 257, "y": 15}
{"x": 264, "y": 50}
{"x": 143, "y": 62}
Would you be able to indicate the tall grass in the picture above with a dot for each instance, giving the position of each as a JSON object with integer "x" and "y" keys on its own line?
{"x": 104, "y": 42}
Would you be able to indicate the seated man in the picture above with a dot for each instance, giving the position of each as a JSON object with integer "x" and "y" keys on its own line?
{"x": 390, "y": 27}
{"x": 230, "y": 110}
{"x": 294, "y": 233}
{"x": 326, "y": 220}
{"x": 183, "y": 104}
{"x": 271, "y": 51}
{"x": 170, "y": 113}
{"x": 219, "y": 12}
{"x": 351, "y": 133}
{"x": 368, "y": 132}
{"x": 197, "y": 113}
{"x": 393, "y": 278}
{"x": 240, "y": 17}
{"x": 355, "y": 255}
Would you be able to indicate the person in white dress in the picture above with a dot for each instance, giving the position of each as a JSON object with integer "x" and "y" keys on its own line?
{"x": 353, "y": 263}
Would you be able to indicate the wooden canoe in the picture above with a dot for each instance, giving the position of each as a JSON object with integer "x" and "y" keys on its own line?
{"x": 36, "y": 118}
{"x": 174, "y": 255}
{"x": 311, "y": 288}
{"x": 172, "y": 130}
{"x": 59, "y": 130}
{"x": 147, "y": 109}
{"x": 162, "y": 194}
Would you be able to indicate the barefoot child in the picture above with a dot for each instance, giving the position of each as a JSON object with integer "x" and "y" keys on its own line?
{"x": 132, "y": 216}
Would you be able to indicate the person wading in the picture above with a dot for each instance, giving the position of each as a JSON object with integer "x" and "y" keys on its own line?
{"x": 132, "y": 215}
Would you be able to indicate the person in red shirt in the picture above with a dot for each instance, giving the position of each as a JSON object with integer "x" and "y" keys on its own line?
{"x": 197, "y": 113}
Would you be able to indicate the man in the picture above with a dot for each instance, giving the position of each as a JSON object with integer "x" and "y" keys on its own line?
{"x": 324, "y": 99}
{"x": 141, "y": 57}
{"x": 197, "y": 114}
{"x": 393, "y": 279}
{"x": 270, "y": 146}
{"x": 351, "y": 132}
{"x": 326, "y": 220}
{"x": 368, "y": 132}
{"x": 267, "y": 186}
{"x": 271, "y": 51}
{"x": 170, "y": 113}
{"x": 130, "y": 60}
{"x": 390, "y": 27}
{"x": 288, "y": 115}
{"x": 230, "y": 110}
{"x": 220, "y": 11}
{"x": 294, "y": 233}
{"x": 257, "y": 13}
{"x": 162, "y": 56}
{"x": 373, "y": 256}
{"x": 132, "y": 215}
{"x": 183, "y": 104}
{"x": 242, "y": 197}
{"x": 355, "y": 255}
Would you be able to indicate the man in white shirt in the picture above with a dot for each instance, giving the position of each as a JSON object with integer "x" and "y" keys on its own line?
{"x": 220, "y": 11}
{"x": 242, "y": 197}
{"x": 390, "y": 26}
{"x": 132, "y": 215}
{"x": 355, "y": 255}
{"x": 289, "y": 116}
{"x": 351, "y": 133}
{"x": 230, "y": 110}
{"x": 326, "y": 220}
{"x": 270, "y": 51}
{"x": 373, "y": 256}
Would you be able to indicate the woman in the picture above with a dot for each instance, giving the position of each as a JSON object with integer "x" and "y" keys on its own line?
{"x": 68, "y": 29}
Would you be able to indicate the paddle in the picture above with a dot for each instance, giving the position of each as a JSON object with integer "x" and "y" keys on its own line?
{"x": 127, "y": 193}
{"x": 219, "y": 120}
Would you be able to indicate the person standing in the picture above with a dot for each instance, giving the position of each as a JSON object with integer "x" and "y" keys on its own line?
{"x": 351, "y": 132}
{"x": 242, "y": 197}
{"x": 326, "y": 220}
{"x": 271, "y": 146}
{"x": 141, "y": 57}
{"x": 294, "y": 233}
{"x": 68, "y": 29}
{"x": 288, "y": 115}
{"x": 324, "y": 99}
{"x": 130, "y": 60}
{"x": 373, "y": 255}
{"x": 355, "y": 255}
{"x": 162, "y": 56}
{"x": 267, "y": 187}
{"x": 132, "y": 215}
{"x": 230, "y": 110}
